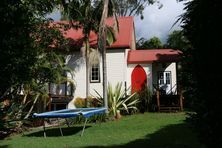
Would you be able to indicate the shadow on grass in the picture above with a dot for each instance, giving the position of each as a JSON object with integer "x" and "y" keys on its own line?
{"x": 173, "y": 136}
{"x": 55, "y": 132}
{"x": 4, "y": 146}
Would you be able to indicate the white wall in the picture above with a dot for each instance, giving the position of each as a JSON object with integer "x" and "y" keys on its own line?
{"x": 116, "y": 71}
{"x": 168, "y": 67}
{"x": 77, "y": 63}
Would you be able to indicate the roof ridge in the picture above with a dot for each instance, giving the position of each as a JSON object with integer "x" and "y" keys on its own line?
{"x": 156, "y": 49}
{"x": 122, "y": 17}
{"x": 124, "y": 36}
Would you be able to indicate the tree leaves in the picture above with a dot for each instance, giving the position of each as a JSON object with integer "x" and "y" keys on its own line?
{"x": 152, "y": 43}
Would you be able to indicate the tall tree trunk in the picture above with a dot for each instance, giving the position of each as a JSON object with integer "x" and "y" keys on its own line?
{"x": 102, "y": 48}
{"x": 33, "y": 105}
{"x": 87, "y": 68}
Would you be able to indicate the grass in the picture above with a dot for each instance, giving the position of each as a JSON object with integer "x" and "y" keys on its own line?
{"x": 154, "y": 130}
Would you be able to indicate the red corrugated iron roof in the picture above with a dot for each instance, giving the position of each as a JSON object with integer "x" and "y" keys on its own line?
{"x": 153, "y": 55}
{"x": 123, "y": 37}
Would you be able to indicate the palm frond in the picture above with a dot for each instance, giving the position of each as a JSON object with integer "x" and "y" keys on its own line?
{"x": 94, "y": 57}
{"x": 118, "y": 101}
{"x": 110, "y": 38}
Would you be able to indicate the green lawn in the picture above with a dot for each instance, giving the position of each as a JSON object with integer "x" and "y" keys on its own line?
{"x": 150, "y": 130}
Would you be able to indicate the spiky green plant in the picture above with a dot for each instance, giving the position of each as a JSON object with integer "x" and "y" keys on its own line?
{"x": 118, "y": 101}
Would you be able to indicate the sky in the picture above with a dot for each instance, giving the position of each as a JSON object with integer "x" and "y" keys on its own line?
{"x": 159, "y": 22}
{"x": 156, "y": 22}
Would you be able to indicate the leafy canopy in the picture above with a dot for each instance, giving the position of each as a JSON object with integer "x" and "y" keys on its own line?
{"x": 133, "y": 7}
{"x": 29, "y": 55}
{"x": 152, "y": 43}
{"x": 202, "y": 27}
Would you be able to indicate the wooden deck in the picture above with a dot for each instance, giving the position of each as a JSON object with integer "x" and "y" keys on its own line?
{"x": 169, "y": 103}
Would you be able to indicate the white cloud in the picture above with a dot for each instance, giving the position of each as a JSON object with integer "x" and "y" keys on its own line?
{"x": 159, "y": 22}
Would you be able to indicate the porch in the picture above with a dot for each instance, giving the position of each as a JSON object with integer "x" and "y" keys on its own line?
{"x": 166, "y": 91}
{"x": 60, "y": 96}
{"x": 157, "y": 69}
{"x": 168, "y": 102}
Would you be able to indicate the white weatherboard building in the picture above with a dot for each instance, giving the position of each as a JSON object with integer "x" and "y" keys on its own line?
{"x": 155, "y": 68}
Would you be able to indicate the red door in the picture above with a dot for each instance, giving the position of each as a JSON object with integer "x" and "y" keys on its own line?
{"x": 138, "y": 78}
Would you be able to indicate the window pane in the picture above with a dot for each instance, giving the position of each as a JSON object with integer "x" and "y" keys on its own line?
{"x": 168, "y": 77}
{"x": 161, "y": 80}
{"x": 95, "y": 73}
{"x": 161, "y": 75}
{"x": 167, "y": 81}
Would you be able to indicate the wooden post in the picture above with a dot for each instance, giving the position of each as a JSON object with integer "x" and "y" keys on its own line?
{"x": 158, "y": 99}
{"x": 84, "y": 126}
{"x": 181, "y": 99}
{"x": 44, "y": 132}
{"x": 60, "y": 127}
{"x": 50, "y": 102}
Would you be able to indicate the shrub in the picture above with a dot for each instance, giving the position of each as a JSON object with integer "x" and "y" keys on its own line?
{"x": 145, "y": 98}
{"x": 80, "y": 102}
{"x": 93, "y": 102}
{"x": 117, "y": 101}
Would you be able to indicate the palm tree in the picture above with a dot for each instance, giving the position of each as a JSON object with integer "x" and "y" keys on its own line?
{"x": 104, "y": 35}
{"x": 102, "y": 48}
{"x": 87, "y": 15}
{"x": 83, "y": 14}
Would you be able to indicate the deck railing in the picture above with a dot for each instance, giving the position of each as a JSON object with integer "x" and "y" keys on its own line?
{"x": 170, "y": 96}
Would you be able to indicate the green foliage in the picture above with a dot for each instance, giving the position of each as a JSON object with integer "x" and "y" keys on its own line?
{"x": 133, "y": 7}
{"x": 80, "y": 102}
{"x": 152, "y": 43}
{"x": 88, "y": 15}
{"x": 110, "y": 38}
{"x": 93, "y": 102}
{"x": 177, "y": 40}
{"x": 202, "y": 27}
{"x": 17, "y": 54}
{"x": 92, "y": 119}
{"x": 4, "y": 106}
{"x": 98, "y": 98}
{"x": 18, "y": 51}
{"x": 87, "y": 102}
{"x": 84, "y": 13}
{"x": 29, "y": 56}
{"x": 145, "y": 99}
{"x": 117, "y": 101}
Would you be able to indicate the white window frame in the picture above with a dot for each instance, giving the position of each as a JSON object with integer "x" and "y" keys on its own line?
{"x": 94, "y": 72}
{"x": 163, "y": 78}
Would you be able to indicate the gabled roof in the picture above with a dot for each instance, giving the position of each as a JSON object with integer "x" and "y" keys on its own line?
{"x": 123, "y": 38}
{"x": 153, "y": 55}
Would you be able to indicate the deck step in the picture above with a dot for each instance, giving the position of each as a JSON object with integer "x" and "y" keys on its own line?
{"x": 169, "y": 108}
